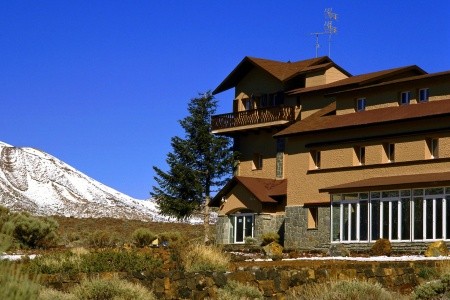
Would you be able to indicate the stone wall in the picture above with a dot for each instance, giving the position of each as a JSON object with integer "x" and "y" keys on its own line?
{"x": 297, "y": 234}
{"x": 268, "y": 223}
{"x": 274, "y": 279}
{"x": 223, "y": 230}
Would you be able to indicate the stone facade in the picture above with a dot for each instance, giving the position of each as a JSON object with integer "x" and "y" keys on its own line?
{"x": 269, "y": 223}
{"x": 223, "y": 227}
{"x": 297, "y": 234}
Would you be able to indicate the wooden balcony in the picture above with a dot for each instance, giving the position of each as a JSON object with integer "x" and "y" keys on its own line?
{"x": 252, "y": 119}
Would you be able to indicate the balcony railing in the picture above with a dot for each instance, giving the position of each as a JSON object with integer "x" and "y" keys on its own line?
{"x": 253, "y": 117}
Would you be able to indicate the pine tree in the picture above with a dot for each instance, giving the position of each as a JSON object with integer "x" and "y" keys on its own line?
{"x": 198, "y": 163}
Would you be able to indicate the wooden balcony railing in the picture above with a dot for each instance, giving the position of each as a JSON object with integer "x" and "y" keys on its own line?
{"x": 252, "y": 117}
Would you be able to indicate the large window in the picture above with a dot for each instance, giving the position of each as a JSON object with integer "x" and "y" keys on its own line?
{"x": 424, "y": 94}
{"x": 361, "y": 104}
{"x": 399, "y": 215}
{"x": 405, "y": 97}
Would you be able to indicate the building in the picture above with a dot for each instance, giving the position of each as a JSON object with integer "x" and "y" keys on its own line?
{"x": 328, "y": 157}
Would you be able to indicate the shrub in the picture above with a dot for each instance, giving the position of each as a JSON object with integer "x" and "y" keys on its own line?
{"x": 111, "y": 289}
{"x": 235, "y": 291}
{"x": 437, "y": 289}
{"x": 143, "y": 237}
{"x": 250, "y": 240}
{"x": 16, "y": 284}
{"x": 201, "y": 258}
{"x": 170, "y": 237}
{"x": 51, "y": 294}
{"x": 355, "y": 290}
{"x": 101, "y": 239}
{"x": 270, "y": 237}
{"x": 94, "y": 262}
{"x": 33, "y": 232}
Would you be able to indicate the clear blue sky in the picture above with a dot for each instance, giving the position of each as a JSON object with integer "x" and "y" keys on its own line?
{"x": 101, "y": 85}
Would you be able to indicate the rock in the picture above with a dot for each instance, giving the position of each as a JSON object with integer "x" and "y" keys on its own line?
{"x": 382, "y": 247}
{"x": 438, "y": 248}
{"x": 273, "y": 251}
{"x": 338, "y": 250}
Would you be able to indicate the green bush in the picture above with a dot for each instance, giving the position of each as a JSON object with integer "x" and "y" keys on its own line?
{"x": 102, "y": 239}
{"x": 94, "y": 262}
{"x": 250, "y": 240}
{"x": 201, "y": 258}
{"x": 170, "y": 237}
{"x": 116, "y": 289}
{"x": 436, "y": 289}
{"x": 236, "y": 291}
{"x": 143, "y": 237}
{"x": 16, "y": 284}
{"x": 32, "y": 232}
{"x": 270, "y": 237}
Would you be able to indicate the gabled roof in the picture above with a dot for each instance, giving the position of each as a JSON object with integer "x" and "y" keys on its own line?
{"x": 281, "y": 71}
{"x": 362, "y": 80}
{"x": 321, "y": 121}
{"x": 263, "y": 189}
{"x": 391, "y": 182}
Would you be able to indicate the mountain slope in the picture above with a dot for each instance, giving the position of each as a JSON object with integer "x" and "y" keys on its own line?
{"x": 34, "y": 181}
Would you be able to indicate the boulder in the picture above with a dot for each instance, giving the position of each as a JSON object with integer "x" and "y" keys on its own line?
{"x": 382, "y": 247}
{"x": 338, "y": 250}
{"x": 438, "y": 248}
{"x": 273, "y": 251}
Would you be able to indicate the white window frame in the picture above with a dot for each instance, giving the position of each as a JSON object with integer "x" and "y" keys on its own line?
{"x": 245, "y": 216}
{"x": 405, "y": 98}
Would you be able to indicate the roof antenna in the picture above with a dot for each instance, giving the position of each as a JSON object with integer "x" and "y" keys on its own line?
{"x": 328, "y": 29}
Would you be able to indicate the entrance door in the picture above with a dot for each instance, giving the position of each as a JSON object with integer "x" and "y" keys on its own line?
{"x": 243, "y": 227}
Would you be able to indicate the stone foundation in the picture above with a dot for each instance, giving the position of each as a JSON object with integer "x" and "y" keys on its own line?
{"x": 297, "y": 234}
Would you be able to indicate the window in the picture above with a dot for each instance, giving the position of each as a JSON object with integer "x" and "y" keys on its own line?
{"x": 424, "y": 94}
{"x": 360, "y": 152}
{"x": 248, "y": 104}
{"x": 397, "y": 215}
{"x": 312, "y": 217}
{"x": 433, "y": 147}
{"x": 405, "y": 98}
{"x": 257, "y": 161}
{"x": 315, "y": 156}
{"x": 242, "y": 225}
{"x": 389, "y": 152}
{"x": 361, "y": 104}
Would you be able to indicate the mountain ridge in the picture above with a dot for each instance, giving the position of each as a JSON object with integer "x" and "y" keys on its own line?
{"x": 35, "y": 181}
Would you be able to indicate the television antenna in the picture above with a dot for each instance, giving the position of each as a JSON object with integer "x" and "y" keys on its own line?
{"x": 328, "y": 29}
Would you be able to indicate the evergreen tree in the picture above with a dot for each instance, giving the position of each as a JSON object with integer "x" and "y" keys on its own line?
{"x": 198, "y": 163}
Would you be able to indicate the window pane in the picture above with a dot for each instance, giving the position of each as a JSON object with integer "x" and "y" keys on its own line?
{"x": 336, "y": 221}
{"x": 439, "y": 207}
{"x": 336, "y": 197}
{"x": 429, "y": 218}
{"x": 394, "y": 220}
{"x": 405, "y": 193}
{"x": 375, "y": 205}
{"x": 418, "y": 218}
{"x": 345, "y": 223}
{"x": 434, "y": 191}
{"x": 354, "y": 222}
{"x": 374, "y": 195}
{"x": 418, "y": 192}
{"x": 351, "y": 196}
{"x": 385, "y": 219}
{"x": 239, "y": 229}
{"x": 248, "y": 226}
{"x": 405, "y": 217}
{"x": 363, "y": 195}
{"x": 363, "y": 220}
{"x": 389, "y": 194}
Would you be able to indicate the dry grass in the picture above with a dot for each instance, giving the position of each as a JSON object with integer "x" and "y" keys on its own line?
{"x": 201, "y": 258}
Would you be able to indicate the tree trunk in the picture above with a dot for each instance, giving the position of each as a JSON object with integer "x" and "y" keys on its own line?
{"x": 206, "y": 219}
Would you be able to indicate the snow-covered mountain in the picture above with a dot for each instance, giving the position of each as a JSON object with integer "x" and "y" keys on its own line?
{"x": 34, "y": 181}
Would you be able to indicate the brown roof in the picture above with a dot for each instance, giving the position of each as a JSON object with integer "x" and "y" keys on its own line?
{"x": 263, "y": 189}
{"x": 362, "y": 80}
{"x": 392, "y": 182}
{"x": 282, "y": 71}
{"x": 321, "y": 121}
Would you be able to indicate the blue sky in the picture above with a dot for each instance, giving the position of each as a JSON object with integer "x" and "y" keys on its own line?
{"x": 101, "y": 85}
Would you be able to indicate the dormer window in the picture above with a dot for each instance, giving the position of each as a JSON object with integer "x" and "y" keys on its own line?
{"x": 248, "y": 104}
{"x": 424, "y": 94}
{"x": 405, "y": 98}
{"x": 361, "y": 104}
